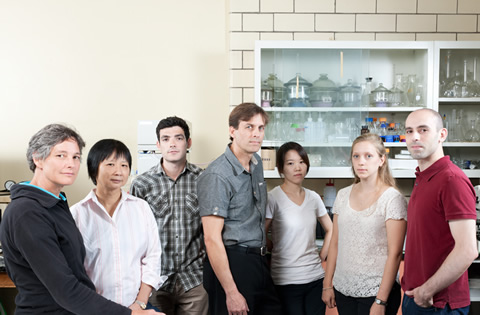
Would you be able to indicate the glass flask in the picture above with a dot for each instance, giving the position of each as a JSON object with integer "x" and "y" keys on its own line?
{"x": 472, "y": 135}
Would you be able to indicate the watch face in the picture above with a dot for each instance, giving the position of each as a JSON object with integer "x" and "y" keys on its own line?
{"x": 8, "y": 184}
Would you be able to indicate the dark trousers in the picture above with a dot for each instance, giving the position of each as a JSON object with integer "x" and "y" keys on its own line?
{"x": 409, "y": 307}
{"x": 252, "y": 277}
{"x": 302, "y": 299}
{"x": 347, "y": 305}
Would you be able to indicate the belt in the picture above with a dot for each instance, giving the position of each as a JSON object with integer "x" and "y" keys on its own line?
{"x": 262, "y": 251}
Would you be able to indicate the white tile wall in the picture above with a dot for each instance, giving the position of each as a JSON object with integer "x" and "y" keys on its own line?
{"x": 294, "y": 22}
{"x": 313, "y": 36}
{"x": 355, "y": 6}
{"x": 398, "y": 20}
{"x": 375, "y": 23}
{"x": 309, "y": 6}
{"x": 396, "y": 6}
{"x": 457, "y": 23}
{"x": 335, "y": 22}
{"x": 258, "y": 22}
{"x": 276, "y": 5}
{"x": 468, "y": 6}
{"x": 437, "y": 6}
{"x": 416, "y": 23}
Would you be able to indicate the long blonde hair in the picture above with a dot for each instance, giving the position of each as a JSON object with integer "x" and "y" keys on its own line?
{"x": 384, "y": 173}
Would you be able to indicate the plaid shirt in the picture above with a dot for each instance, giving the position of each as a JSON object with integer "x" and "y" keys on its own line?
{"x": 175, "y": 206}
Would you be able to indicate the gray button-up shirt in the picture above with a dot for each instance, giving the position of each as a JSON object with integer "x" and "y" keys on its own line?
{"x": 227, "y": 190}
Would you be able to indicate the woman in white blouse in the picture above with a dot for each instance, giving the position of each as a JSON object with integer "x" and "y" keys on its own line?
{"x": 292, "y": 212}
{"x": 119, "y": 230}
{"x": 369, "y": 225}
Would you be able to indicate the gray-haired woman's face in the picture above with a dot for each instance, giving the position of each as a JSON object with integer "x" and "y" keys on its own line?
{"x": 61, "y": 166}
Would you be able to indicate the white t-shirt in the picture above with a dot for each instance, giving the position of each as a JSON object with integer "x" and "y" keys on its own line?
{"x": 362, "y": 241}
{"x": 295, "y": 258}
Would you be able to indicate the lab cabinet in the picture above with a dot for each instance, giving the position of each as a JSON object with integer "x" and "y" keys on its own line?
{"x": 321, "y": 94}
{"x": 457, "y": 99}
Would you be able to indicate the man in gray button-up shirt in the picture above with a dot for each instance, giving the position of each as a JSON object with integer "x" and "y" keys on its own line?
{"x": 232, "y": 198}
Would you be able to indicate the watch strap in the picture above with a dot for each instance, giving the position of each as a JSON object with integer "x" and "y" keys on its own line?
{"x": 380, "y": 302}
{"x": 142, "y": 305}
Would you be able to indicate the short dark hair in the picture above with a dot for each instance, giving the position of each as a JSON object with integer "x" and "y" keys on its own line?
{"x": 101, "y": 151}
{"x": 42, "y": 142}
{"x": 172, "y": 122}
{"x": 282, "y": 152}
{"x": 244, "y": 112}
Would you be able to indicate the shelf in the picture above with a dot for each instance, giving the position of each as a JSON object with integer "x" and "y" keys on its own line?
{"x": 346, "y": 172}
{"x": 462, "y": 144}
{"x": 274, "y": 143}
{"x": 459, "y": 100}
{"x": 341, "y": 109}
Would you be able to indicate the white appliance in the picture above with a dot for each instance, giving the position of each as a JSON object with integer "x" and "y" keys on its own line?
{"x": 148, "y": 154}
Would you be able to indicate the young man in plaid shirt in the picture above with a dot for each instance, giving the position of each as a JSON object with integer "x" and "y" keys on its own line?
{"x": 170, "y": 188}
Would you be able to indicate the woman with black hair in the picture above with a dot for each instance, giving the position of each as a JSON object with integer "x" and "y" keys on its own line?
{"x": 119, "y": 230}
{"x": 292, "y": 212}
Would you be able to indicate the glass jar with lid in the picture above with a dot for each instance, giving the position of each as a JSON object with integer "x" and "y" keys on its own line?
{"x": 267, "y": 95}
{"x": 298, "y": 90}
{"x": 324, "y": 92}
{"x": 380, "y": 96}
{"x": 350, "y": 94}
{"x": 279, "y": 95}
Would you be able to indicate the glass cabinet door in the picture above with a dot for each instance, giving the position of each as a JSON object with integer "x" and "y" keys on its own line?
{"x": 321, "y": 94}
{"x": 457, "y": 99}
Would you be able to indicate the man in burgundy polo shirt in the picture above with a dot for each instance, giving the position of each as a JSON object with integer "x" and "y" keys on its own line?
{"x": 441, "y": 232}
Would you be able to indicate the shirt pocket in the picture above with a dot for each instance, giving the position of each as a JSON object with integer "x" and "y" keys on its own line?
{"x": 191, "y": 204}
{"x": 160, "y": 205}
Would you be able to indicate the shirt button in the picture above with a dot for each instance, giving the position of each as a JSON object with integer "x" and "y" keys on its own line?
{"x": 216, "y": 208}
{"x": 215, "y": 213}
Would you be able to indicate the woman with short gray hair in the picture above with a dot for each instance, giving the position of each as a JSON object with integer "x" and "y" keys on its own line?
{"x": 43, "y": 248}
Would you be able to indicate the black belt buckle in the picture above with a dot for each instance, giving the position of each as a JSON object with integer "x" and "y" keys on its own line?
{"x": 263, "y": 250}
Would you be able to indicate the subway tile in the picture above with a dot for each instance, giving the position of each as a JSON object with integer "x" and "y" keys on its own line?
{"x": 356, "y": 6}
{"x": 437, "y": 6}
{"x": 468, "y": 36}
{"x": 244, "y": 5}
{"x": 468, "y": 6}
{"x": 236, "y": 96}
{"x": 416, "y": 23}
{"x": 258, "y": 22}
{"x": 235, "y": 22}
{"x": 354, "y": 36}
{"x": 375, "y": 23}
{"x": 294, "y": 22}
{"x": 457, "y": 23}
{"x": 236, "y": 60}
{"x": 395, "y": 36}
{"x": 249, "y": 95}
{"x": 315, "y": 6}
{"x": 276, "y": 6}
{"x": 248, "y": 59}
{"x": 436, "y": 36}
{"x": 335, "y": 22}
{"x": 276, "y": 36}
{"x": 313, "y": 36}
{"x": 241, "y": 78}
{"x": 243, "y": 41}
{"x": 396, "y": 6}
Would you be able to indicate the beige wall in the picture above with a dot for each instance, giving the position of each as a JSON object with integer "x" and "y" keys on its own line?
{"x": 102, "y": 65}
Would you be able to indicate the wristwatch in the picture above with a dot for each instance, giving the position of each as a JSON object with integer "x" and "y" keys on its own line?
{"x": 380, "y": 302}
{"x": 142, "y": 305}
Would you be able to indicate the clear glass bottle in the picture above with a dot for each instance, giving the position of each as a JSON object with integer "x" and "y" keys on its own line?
{"x": 472, "y": 135}
{"x": 411, "y": 89}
